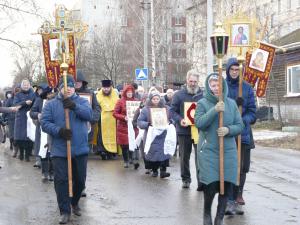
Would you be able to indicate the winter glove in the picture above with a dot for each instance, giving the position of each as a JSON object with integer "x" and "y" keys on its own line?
{"x": 69, "y": 104}
{"x": 239, "y": 101}
{"x": 219, "y": 107}
{"x": 222, "y": 131}
{"x": 65, "y": 133}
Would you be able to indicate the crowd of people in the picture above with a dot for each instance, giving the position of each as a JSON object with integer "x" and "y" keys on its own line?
{"x": 100, "y": 124}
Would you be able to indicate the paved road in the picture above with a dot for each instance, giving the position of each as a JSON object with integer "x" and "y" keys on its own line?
{"x": 128, "y": 197}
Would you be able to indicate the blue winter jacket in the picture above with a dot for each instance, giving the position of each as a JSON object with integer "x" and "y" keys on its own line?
{"x": 249, "y": 107}
{"x": 53, "y": 118}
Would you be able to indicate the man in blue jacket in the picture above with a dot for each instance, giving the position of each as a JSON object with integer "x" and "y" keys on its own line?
{"x": 247, "y": 102}
{"x": 53, "y": 123}
{"x": 189, "y": 93}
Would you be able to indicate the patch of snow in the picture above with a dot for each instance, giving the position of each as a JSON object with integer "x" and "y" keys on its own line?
{"x": 270, "y": 134}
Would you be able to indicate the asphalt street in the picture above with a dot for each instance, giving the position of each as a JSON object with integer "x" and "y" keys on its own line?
{"x": 128, "y": 197}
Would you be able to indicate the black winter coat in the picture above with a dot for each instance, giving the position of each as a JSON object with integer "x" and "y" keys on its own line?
{"x": 177, "y": 108}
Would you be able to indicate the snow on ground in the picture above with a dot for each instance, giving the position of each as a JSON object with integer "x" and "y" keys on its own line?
{"x": 271, "y": 134}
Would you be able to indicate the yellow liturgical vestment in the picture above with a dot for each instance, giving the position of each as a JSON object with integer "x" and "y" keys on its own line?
{"x": 108, "y": 122}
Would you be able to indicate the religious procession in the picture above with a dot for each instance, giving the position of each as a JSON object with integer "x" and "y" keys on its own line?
{"x": 89, "y": 140}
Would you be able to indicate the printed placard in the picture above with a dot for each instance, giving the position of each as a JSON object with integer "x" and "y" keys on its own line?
{"x": 159, "y": 117}
{"x": 131, "y": 107}
{"x": 86, "y": 96}
{"x": 189, "y": 112}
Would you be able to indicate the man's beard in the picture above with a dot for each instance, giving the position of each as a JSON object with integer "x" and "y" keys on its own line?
{"x": 192, "y": 91}
{"x": 107, "y": 93}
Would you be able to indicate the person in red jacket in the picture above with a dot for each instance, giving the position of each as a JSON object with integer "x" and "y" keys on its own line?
{"x": 122, "y": 124}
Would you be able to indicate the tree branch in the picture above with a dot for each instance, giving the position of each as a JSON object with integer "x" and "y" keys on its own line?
{"x": 21, "y": 10}
{"x": 12, "y": 41}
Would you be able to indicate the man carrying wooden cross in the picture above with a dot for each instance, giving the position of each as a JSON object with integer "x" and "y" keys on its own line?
{"x": 53, "y": 123}
{"x": 247, "y": 102}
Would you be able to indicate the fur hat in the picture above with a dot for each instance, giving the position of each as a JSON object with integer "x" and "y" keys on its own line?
{"x": 153, "y": 94}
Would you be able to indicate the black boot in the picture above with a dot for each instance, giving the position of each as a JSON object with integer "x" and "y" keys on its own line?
{"x": 208, "y": 200}
{"x": 136, "y": 165}
{"x": 154, "y": 173}
{"x": 11, "y": 144}
{"x": 64, "y": 218}
{"x": 27, "y": 153}
{"x": 83, "y": 193}
{"x": 76, "y": 210}
{"x": 163, "y": 173}
{"x": 222, "y": 201}
{"x": 207, "y": 219}
{"x": 21, "y": 156}
{"x": 44, "y": 177}
{"x": 16, "y": 149}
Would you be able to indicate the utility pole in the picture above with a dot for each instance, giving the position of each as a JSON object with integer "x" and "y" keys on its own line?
{"x": 145, "y": 5}
{"x": 209, "y": 19}
{"x": 153, "y": 44}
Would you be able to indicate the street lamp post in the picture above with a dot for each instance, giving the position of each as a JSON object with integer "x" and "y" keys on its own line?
{"x": 219, "y": 41}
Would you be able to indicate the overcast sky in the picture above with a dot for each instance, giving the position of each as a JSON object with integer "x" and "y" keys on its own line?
{"x": 24, "y": 30}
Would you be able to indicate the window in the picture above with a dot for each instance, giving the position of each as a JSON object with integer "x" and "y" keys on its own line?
{"x": 178, "y": 21}
{"x": 293, "y": 80}
{"x": 178, "y": 52}
{"x": 123, "y": 21}
{"x": 265, "y": 8}
{"x": 272, "y": 20}
{"x": 178, "y": 37}
{"x": 179, "y": 68}
{"x": 279, "y": 6}
{"x": 289, "y": 4}
{"x": 258, "y": 11}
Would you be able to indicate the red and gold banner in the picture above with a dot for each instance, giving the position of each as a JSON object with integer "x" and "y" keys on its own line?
{"x": 258, "y": 67}
{"x": 52, "y": 55}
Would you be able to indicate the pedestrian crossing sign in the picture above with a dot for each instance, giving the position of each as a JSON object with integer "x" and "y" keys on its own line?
{"x": 141, "y": 73}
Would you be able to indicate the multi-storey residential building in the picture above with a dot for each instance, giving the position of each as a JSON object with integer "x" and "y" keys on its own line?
{"x": 283, "y": 17}
{"x": 128, "y": 18}
{"x": 119, "y": 21}
{"x": 177, "y": 65}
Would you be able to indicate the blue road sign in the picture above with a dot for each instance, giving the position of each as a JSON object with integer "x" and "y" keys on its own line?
{"x": 141, "y": 73}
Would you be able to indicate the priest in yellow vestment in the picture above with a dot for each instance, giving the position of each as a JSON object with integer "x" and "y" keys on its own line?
{"x": 107, "y": 98}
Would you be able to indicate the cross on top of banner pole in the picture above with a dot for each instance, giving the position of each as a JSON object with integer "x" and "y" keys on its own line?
{"x": 141, "y": 73}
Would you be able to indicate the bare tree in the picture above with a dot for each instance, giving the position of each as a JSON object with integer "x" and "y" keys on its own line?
{"x": 29, "y": 64}
{"x": 105, "y": 56}
{"x": 14, "y": 11}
